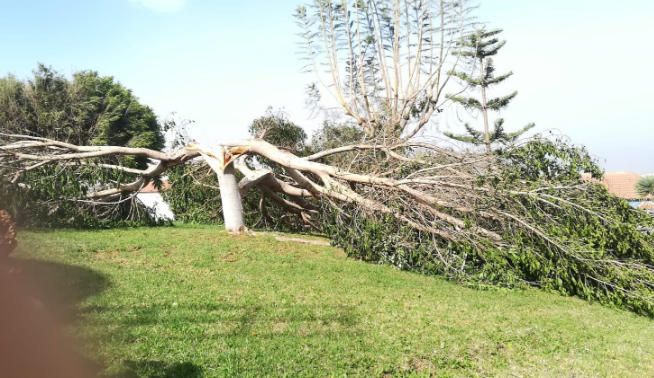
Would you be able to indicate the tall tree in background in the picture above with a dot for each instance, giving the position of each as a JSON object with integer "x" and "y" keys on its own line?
{"x": 275, "y": 127}
{"x": 478, "y": 49}
{"x": 88, "y": 109}
{"x": 385, "y": 62}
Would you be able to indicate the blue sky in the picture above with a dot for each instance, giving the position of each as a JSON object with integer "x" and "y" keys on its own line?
{"x": 582, "y": 67}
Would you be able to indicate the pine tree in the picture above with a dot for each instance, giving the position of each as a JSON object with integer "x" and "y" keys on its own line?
{"x": 478, "y": 49}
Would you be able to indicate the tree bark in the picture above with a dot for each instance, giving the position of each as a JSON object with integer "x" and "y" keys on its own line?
{"x": 231, "y": 200}
{"x": 484, "y": 109}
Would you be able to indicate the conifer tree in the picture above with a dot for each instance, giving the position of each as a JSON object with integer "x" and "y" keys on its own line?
{"x": 478, "y": 49}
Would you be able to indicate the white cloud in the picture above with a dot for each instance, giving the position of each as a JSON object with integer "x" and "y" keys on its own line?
{"x": 161, "y": 5}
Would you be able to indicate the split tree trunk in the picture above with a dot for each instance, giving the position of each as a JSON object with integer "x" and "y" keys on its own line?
{"x": 231, "y": 200}
{"x": 230, "y": 195}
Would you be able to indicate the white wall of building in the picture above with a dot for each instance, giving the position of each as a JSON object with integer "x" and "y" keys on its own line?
{"x": 155, "y": 201}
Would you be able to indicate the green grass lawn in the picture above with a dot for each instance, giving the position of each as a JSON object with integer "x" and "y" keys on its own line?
{"x": 192, "y": 301}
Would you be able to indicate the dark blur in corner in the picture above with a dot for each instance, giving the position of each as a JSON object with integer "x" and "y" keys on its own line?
{"x": 31, "y": 342}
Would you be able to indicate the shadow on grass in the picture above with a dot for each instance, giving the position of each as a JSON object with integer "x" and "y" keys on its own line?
{"x": 245, "y": 330}
{"x": 61, "y": 287}
{"x": 159, "y": 369}
{"x": 237, "y": 319}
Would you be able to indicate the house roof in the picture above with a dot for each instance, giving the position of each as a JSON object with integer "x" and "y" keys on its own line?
{"x": 150, "y": 188}
{"x": 622, "y": 184}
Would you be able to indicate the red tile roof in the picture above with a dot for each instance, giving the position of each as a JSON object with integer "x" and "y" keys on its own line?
{"x": 622, "y": 184}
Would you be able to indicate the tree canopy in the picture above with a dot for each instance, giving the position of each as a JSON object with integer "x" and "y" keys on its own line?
{"x": 385, "y": 62}
{"x": 87, "y": 109}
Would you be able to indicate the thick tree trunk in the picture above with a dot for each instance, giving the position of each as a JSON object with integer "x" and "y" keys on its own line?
{"x": 231, "y": 200}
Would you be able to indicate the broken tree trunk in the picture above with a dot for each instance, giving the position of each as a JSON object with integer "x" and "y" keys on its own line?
{"x": 230, "y": 197}
{"x": 222, "y": 163}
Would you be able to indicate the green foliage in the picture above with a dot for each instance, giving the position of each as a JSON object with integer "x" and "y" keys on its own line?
{"x": 476, "y": 50}
{"x": 276, "y": 129}
{"x": 55, "y": 199}
{"x": 590, "y": 243}
{"x": 548, "y": 159}
{"x": 88, "y": 109}
{"x": 334, "y": 135}
{"x": 645, "y": 187}
{"x": 194, "y": 196}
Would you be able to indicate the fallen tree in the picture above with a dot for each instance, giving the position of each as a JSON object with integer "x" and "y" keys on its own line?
{"x": 420, "y": 206}
{"x": 520, "y": 215}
